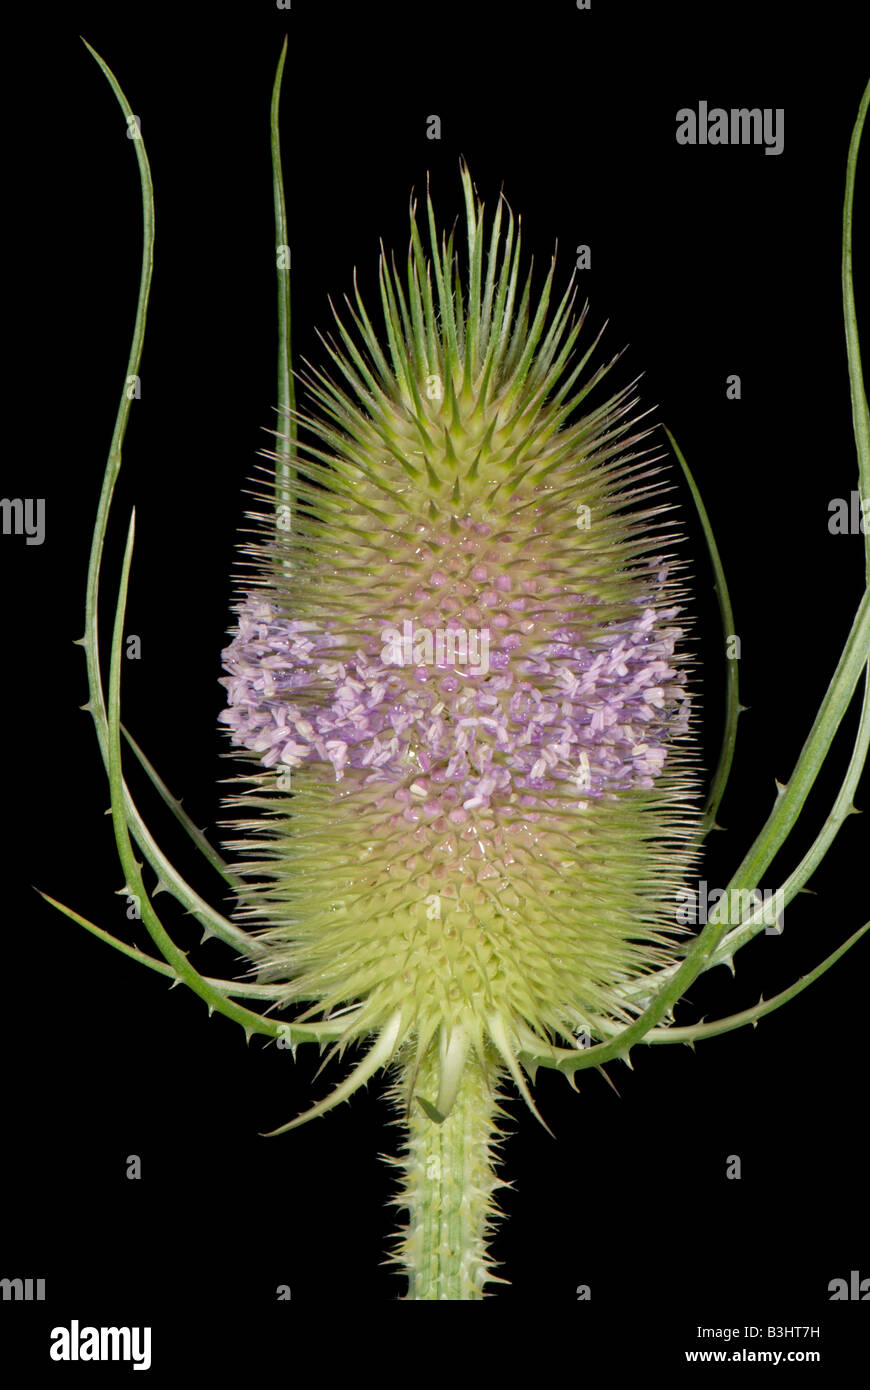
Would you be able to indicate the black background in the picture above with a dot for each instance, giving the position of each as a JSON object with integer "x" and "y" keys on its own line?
{"x": 707, "y": 261}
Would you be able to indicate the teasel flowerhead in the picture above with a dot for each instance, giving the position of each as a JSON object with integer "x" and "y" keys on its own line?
{"x": 460, "y": 674}
{"x": 460, "y": 677}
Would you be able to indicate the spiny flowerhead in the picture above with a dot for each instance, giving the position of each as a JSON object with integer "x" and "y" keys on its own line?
{"x": 460, "y": 673}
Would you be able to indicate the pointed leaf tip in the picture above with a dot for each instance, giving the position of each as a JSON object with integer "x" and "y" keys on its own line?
{"x": 430, "y": 1111}
{"x": 378, "y": 1056}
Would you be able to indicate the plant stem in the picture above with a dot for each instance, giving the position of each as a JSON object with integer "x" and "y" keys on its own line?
{"x": 448, "y": 1182}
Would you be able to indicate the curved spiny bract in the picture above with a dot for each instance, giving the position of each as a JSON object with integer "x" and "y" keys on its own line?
{"x": 464, "y": 661}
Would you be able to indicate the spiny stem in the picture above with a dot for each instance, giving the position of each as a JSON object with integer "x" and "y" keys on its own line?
{"x": 448, "y": 1182}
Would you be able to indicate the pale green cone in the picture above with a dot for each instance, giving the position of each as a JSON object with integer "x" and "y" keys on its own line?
{"x": 484, "y": 838}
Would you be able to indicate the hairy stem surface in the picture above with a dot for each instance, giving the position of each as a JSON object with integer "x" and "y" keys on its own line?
{"x": 448, "y": 1181}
